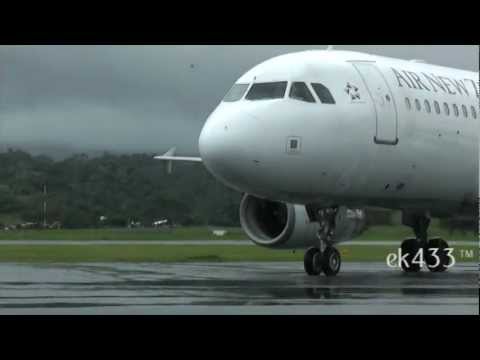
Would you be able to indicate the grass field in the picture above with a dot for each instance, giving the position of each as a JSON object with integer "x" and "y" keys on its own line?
{"x": 181, "y": 233}
{"x": 395, "y": 233}
{"x": 181, "y": 253}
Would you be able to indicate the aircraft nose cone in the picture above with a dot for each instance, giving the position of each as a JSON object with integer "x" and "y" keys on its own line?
{"x": 224, "y": 147}
{"x": 213, "y": 143}
{"x": 217, "y": 144}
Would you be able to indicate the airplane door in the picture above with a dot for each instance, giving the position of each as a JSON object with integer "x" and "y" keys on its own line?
{"x": 383, "y": 101}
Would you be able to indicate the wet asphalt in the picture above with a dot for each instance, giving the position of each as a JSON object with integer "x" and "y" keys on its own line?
{"x": 233, "y": 289}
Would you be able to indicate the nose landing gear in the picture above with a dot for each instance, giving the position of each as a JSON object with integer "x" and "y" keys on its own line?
{"x": 324, "y": 258}
{"x": 332, "y": 261}
{"x": 312, "y": 261}
{"x": 328, "y": 262}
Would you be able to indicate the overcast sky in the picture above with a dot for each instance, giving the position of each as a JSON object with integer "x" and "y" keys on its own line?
{"x": 140, "y": 98}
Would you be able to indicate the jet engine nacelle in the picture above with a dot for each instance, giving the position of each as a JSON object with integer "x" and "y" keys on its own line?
{"x": 287, "y": 226}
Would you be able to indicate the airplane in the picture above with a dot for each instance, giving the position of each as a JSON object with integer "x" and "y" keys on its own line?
{"x": 314, "y": 137}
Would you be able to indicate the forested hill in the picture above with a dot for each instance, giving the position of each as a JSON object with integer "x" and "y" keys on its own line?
{"x": 122, "y": 188}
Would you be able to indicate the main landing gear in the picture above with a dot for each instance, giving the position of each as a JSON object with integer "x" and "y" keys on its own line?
{"x": 324, "y": 258}
{"x": 435, "y": 250}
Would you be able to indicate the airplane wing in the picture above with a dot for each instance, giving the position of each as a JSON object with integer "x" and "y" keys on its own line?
{"x": 178, "y": 158}
{"x": 170, "y": 157}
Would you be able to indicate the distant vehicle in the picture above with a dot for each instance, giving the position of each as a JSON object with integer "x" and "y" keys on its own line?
{"x": 220, "y": 233}
{"x": 161, "y": 223}
{"x": 55, "y": 225}
{"x": 135, "y": 224}
{"x": 30, "y": 225}
{"x": 312, "y": 138}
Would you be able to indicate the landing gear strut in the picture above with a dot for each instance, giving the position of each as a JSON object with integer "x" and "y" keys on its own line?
{"x": 325, "y": 257}
{"x": 434, "y": 250}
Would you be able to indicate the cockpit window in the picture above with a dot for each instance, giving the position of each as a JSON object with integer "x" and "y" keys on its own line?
{"x": 300, "y": 91}
{"x": 236, "y": 92}
{"x": 323, "y": 94}
{"x": 264, "y": 91}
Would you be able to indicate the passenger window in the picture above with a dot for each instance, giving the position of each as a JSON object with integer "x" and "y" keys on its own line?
{"x": 267, "y": 91}
{"x": 300, "y": 91}
{"x": 428, "y": 107}
{"x": 465, "y": 112}
{"x": 474, "y": 112}
{"x": 455, "y": 110}
{"x": 437, "y": 107}
{"x": 236, "y": 92}
{"x": 447, "y": 109}
{"x": 323, "y": 94}
{"x": 417, "y": 104}
{"x": 408, "y": 103}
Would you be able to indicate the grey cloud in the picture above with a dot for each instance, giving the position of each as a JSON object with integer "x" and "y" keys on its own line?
{"x": 139, "y": 98}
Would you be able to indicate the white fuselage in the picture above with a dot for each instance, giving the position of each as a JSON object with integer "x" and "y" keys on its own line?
{"x": 367, "y": 149}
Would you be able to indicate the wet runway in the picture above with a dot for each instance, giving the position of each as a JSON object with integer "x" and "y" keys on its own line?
{"x": 233, "y": 288}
